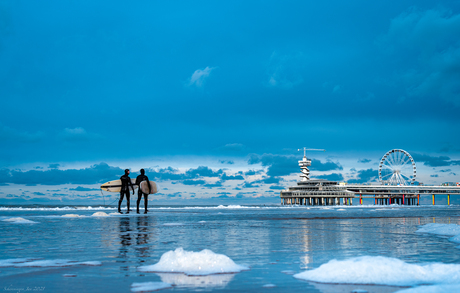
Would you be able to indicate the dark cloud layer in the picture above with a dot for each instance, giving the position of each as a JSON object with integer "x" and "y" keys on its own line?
{"x": 98, "y": 173}
{"x": 102, "y": 172}
{"x": 279, "y": 165}
{"x": 365, "y": 176}
{"x": 332, "y": 177}
{"x": 434, "y": 161}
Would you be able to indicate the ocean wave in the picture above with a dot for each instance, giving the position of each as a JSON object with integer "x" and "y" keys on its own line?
{"x": 66, "y": 208}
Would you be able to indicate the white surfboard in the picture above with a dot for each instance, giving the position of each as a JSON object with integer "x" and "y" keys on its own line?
{"x": 145, "y": 187}
{"x": 115, "y": 185}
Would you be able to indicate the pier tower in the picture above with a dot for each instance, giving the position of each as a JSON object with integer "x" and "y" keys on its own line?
{"x": 305, "y": 163}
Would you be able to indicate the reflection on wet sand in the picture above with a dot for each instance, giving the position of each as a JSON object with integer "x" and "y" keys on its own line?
{"x": 135, "y": 234}
{"x": 218, "y": 281}
{"x": 347, "y": 288}
{"x": 125, "y": 241}
{"x": 142, "y": 238}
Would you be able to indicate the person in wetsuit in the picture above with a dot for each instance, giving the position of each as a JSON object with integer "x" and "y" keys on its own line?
{"x": 139, "y": 179}
{"x": 125, "y": 184}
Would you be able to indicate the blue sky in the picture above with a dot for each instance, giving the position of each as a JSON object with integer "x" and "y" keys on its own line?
{"x": 214, "y": 98}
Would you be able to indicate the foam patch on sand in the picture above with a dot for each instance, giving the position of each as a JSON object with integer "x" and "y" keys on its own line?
{"x": 19, "y": 221}
{"x": 442, "y": 230}
{"x": 149, "y": 286}
{"x": 100, "y": 214}
{"x": 71, "y": 216}
{"x": 173, "y": 224}
{"x": 379, "y": 270}
{"x": 269, "y": 286}
{"x": 28, "y": 262}
{"x": 192, "y": 263}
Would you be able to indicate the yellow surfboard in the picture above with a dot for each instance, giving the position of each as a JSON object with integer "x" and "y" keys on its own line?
{"x": 145, "y": 188}
{"x": 115, "y": 185}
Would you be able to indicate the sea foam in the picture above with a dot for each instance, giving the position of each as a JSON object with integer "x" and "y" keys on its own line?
{"x": 192, "y": 263}
{"x": 149, "y": 286}
{"x": 100, "y": 214}
{"x": 29, "y": 262}
{"x": 71, "y": 216}
{"x": 442, "y": 230}
{"x": 19, "y": 221}
{"x": 379, "y": 270}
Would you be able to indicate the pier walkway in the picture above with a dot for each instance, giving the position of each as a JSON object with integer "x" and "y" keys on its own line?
{"x": 324, "y": 192}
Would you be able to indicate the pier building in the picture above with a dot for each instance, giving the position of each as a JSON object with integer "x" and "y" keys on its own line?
{"x": 398, "y": 188}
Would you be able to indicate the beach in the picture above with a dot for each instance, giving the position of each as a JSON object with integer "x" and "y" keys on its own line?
{"x": 253, "y": 248}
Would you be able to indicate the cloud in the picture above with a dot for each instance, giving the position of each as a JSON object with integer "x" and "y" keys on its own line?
{"x": 285, "y": 71}
{"x": 98, "y": 173}
{"x": 364, "y": 161}
{"x": 211, "y": 185}
{"x": 253, "y": 172}
{"x": 80, "y": 188}
{"x": 317, "y": 165}
{"x": 199, "y": 77}
{"x": 76, "y": 134}
{"x": 428, "y": 41}
{"x": 332, "y": 177}
{"x": 229, "y": 162}
{"x": 279, "y": 165}
{"x": 433, "y": 161}
{"x": 250, "y": 185}
{"x": 53, "y": 166}
{"x": 193, "y": 182}
{"x": 364, "y": 176}
{"x": 226, "y": 177}
{"x": 202, "y": 171}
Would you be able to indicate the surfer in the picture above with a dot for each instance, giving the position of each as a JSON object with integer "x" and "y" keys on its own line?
{"x": 125, "y": 183}
{"x": 139, "y": 179}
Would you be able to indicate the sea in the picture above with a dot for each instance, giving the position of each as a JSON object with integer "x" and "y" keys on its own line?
{"x": 230, "y": 248}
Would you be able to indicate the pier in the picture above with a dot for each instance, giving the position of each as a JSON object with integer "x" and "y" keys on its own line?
{"x": 320, "y": 192}
{"x": 324, "y": 192}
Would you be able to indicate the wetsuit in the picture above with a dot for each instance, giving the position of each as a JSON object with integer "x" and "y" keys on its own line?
{"x": 139, "y": 179}
{"x": 125, "y": 184}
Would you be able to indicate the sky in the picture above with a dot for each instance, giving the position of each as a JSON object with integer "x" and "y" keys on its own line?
{"x": 214, "y": 98}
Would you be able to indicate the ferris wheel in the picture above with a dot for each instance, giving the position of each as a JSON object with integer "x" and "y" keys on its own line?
{"x": 397, "y": 168}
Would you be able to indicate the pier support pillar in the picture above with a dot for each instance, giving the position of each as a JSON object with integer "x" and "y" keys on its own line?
{"x": 403, "y": 199}
{"x": 448, "y": 199}
{"x": 418, "y": 199}
{"x": 361, "y": 199}
{"x": 433, "y": 199}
